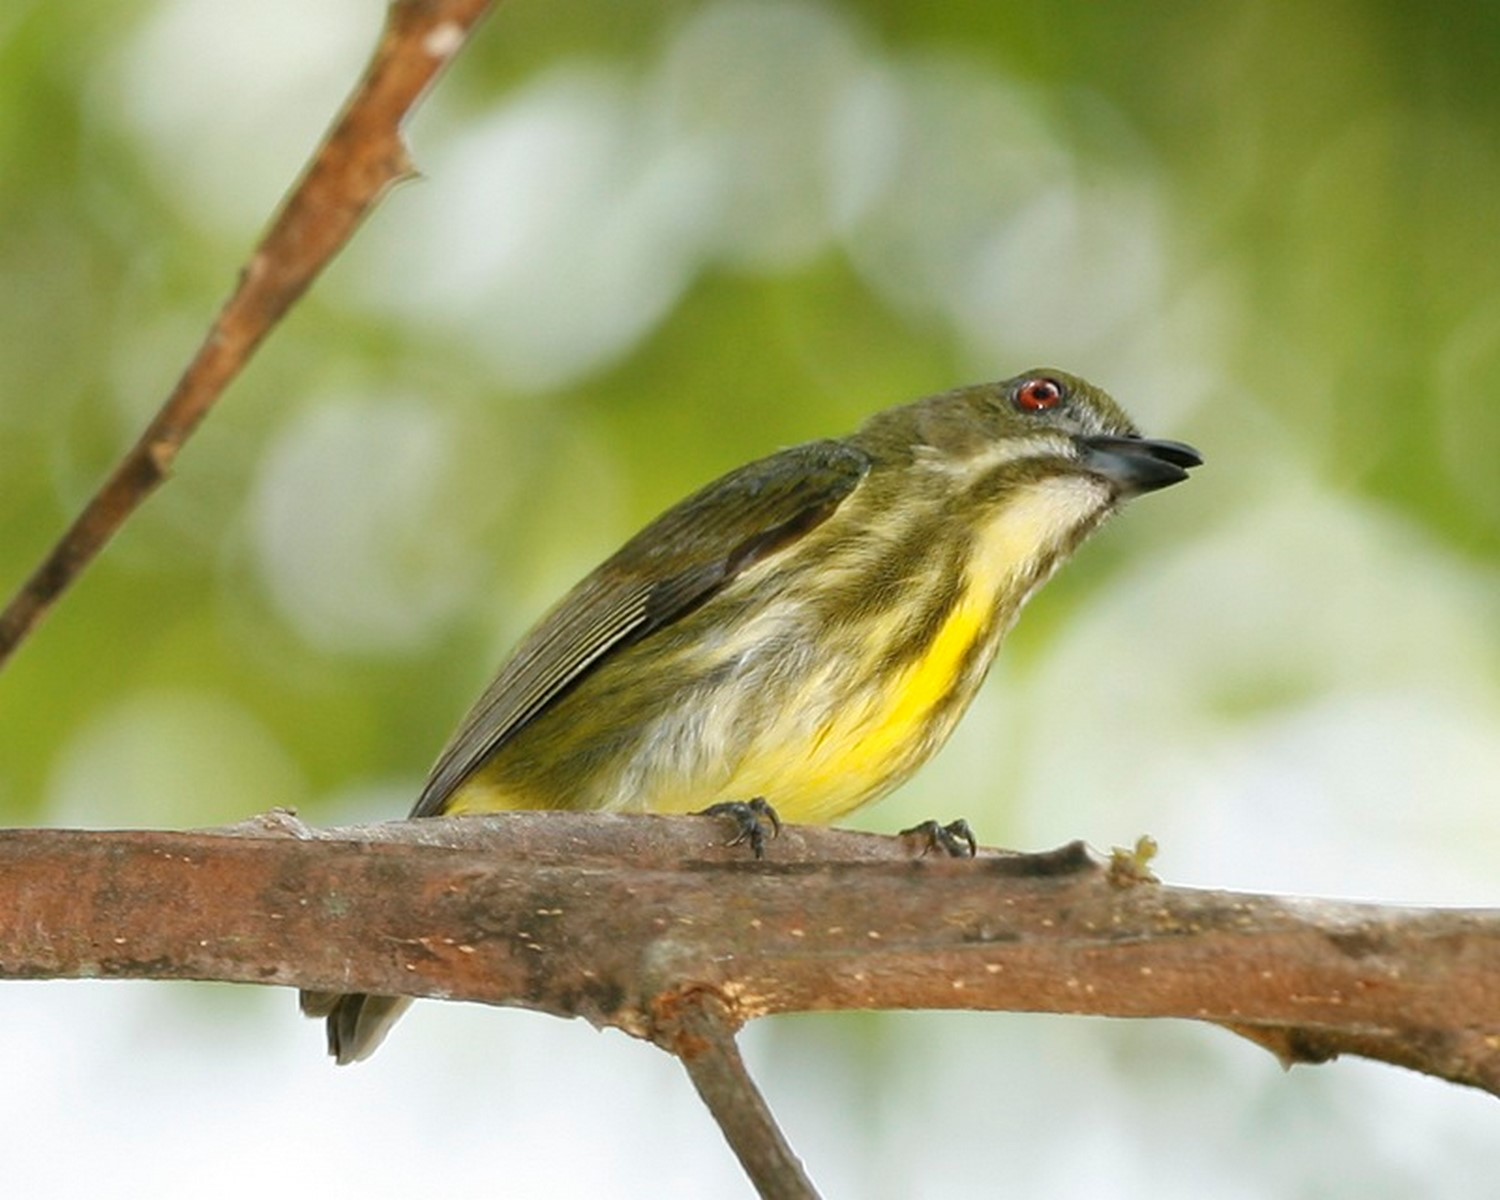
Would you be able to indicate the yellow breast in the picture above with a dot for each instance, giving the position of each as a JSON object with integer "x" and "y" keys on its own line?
{"x": 880, "y": 734}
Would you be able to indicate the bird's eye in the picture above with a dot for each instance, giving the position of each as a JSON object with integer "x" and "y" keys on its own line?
{"x": 1038, "y": 395}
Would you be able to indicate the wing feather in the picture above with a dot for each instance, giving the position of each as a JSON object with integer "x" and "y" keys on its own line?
{"x": 676, "y": 563}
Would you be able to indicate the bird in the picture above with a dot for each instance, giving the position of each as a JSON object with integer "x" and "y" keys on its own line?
{"x": 797, "y": 637}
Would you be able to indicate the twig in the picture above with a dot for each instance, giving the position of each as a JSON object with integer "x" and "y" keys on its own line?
{"x": 360, "y": 159}
{"x": 699, "y": 1030}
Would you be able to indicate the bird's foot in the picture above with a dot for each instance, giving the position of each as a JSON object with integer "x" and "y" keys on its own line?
{"x": 754, "y": 820}
{"x": 955, "y": 839}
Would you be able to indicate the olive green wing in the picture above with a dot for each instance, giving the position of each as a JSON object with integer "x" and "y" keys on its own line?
{"x": 680, "y": 560}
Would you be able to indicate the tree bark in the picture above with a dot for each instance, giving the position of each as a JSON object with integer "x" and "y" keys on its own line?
{"x": 619, "y": 919}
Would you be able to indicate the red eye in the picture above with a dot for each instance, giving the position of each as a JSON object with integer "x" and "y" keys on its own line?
{"x": 1036, "y": 395}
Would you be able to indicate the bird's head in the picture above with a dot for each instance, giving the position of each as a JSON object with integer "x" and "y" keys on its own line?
{"x": 1038, "y": 425}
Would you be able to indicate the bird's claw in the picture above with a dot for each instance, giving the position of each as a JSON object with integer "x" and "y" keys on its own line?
{"x": 752, "y": 819}
{"x": 955, "y": 839}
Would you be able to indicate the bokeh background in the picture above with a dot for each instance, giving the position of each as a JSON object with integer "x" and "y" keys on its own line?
{"x": 656, "y": 240}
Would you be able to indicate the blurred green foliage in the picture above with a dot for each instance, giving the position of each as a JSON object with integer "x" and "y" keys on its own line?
{"x": 658, "y": 239}
{"x": 1326, "y": 175}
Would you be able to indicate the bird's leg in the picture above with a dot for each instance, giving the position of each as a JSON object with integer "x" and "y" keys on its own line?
{"x": 753, "y": 820}
{"x": 955, "y": 839}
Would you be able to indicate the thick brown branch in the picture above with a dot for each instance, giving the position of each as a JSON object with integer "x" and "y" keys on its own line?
{"x": 361, "y": 157}
{"x": 617, "y": 919}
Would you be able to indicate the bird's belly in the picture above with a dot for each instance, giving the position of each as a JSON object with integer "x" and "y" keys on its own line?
{"x": 866, "y": 739}
{"x": 815, "y": 730}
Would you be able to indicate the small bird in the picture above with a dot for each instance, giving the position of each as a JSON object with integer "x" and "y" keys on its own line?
{"x": 802, "y": 633}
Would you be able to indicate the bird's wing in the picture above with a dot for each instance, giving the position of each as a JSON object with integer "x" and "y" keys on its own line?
{"x": 680, "y": 560}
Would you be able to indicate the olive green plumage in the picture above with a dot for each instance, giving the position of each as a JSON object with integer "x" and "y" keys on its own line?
{"x": 807, "y": 629}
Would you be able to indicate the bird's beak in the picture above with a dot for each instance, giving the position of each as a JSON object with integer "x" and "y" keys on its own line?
{"x": 1136, "y": 464}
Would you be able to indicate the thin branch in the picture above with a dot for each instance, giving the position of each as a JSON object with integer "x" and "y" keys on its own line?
{"x": 617, "y": 919}
{"x": 700, "y": 1032}
{"x": 360, "y": 159}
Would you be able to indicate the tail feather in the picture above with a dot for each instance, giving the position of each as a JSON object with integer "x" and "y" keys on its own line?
{"x": 357, "y": 1023}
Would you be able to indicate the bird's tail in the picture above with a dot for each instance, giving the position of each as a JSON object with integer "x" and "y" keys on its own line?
{"x": 357, "y": 1023}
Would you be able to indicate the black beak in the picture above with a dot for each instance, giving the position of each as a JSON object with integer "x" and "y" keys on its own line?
{"x": 1136, "y": 464}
